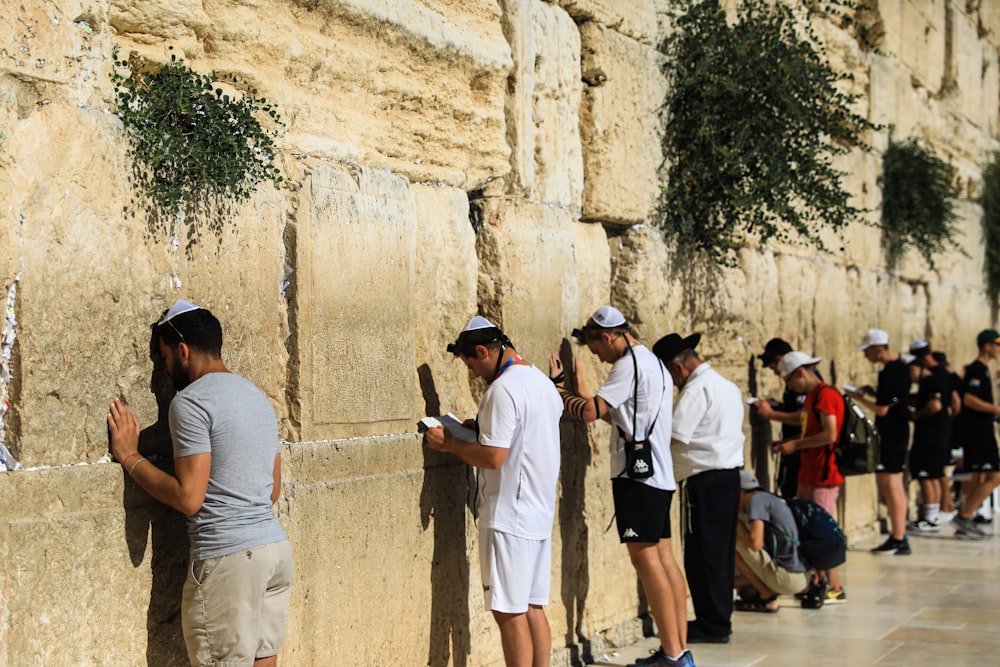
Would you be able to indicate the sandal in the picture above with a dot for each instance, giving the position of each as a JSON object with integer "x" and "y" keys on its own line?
{"x": 758, "y": 605}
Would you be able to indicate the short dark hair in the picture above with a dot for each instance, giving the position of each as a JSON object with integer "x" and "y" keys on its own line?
{"x": 199, "y": 328}
{"x": 489, "y": 337}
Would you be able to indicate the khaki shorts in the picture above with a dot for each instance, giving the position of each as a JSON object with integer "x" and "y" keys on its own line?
{"x": 779, "y": 580}
{"x": 235, "y": 608}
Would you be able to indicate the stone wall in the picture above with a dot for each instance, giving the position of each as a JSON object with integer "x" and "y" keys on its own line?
{"x": 442, "y": 158}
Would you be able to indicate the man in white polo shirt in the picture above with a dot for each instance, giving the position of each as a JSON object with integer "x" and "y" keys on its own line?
{"x": 517, "y": 452}
{"x": 707, "y": 449}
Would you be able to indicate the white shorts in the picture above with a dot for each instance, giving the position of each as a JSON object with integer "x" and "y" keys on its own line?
{"x": 516, "y": 572}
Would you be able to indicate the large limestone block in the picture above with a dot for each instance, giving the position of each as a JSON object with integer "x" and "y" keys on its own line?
{"x": 634, "y": 18}
{"x": 445, "y": 274}
{"x": 620, "y": 126}
{"x": 92, "y": 570}
{"x": 592, "y": 282}
{"x": 915, "y": 34}
{"x": 94, "y": 273}
{"x": 859, "y": 244}
{"x": 414, "y": 86}
{"x": 157, "y": 20}
{"x": 527, "y": 273}
{"x": 56, "y": 50}
{"x": 894, "y": 101}
{"x": 382, "y": 534}
{"x": 75, "y": 348}
{"x": 989, "y": 19}
{"x": 355, "y": 248}
{"x": 968, "y": 67}
{"x": 543, "y": 103}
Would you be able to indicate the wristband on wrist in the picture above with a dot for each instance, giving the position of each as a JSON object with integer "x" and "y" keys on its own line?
{"x": 132, "y": 467}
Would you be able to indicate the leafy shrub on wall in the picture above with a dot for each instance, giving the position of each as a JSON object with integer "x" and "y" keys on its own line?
{"x": 194, "y": 138}
{"x": 918, "y": 202}
{"x": 990, "y": 201}
{"x": 754, "y": 117}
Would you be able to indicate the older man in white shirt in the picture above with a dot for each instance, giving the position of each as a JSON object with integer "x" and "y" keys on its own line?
{"x": 707, "y": 449}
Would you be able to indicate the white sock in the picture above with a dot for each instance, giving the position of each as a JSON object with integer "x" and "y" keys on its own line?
{"x": 932, "y": 513}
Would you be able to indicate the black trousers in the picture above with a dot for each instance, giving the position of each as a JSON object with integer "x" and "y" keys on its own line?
{"x": 712, "y": 499}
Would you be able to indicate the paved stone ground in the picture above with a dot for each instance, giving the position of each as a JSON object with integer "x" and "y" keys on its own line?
{"x": 939, "y": 606}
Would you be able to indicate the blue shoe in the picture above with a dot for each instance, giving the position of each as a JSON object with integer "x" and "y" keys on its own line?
{"x": 660, "y": 659}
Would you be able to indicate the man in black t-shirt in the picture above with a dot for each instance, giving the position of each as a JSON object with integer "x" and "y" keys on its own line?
{"x": 892, "y": 418}
{"x": 788, "y": 413}
{"x": 978, "y": 435}
{"x": 930, "y": 433}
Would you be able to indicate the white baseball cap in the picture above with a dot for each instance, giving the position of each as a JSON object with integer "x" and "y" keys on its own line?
{"x": 795, "y": 360}
{"x": 874, "y": 337}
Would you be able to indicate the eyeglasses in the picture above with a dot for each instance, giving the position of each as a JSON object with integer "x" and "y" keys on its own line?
{"x": 163, "y": 320}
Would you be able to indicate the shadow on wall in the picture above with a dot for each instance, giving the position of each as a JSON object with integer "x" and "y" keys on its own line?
{"x": 573, "y": 531}
{"x": 165, "y": 528}
{"x": 444, "y": 497}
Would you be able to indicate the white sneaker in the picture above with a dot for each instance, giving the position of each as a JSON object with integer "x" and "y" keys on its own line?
{"x": 946, "y": 517}
{"x": 925, "y": 526}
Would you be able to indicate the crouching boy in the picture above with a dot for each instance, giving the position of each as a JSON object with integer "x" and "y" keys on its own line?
{"x": 767, "y": 558}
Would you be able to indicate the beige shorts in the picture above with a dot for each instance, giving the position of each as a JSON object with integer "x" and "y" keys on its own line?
{"x": 235, "y": 608}
{"x": 779, "y": 580}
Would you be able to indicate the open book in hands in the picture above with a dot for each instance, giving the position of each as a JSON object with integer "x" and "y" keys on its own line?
{"x": 450, "y": 422}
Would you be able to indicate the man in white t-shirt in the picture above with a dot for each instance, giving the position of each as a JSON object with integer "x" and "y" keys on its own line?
{"x": 707, "y": 447}
{"x": 636, "y": 399}
{"x": 518, "y": 453}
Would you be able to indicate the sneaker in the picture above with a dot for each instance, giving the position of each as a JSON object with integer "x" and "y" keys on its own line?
{"x": 659, "y": 655}
{"x": 660, "y": 659}
{"x": 835, "y": 597}
{"x": 947, "y": 516}
{"x": 893, "y": 546}
{"x": 979, "y": 518}
{"x": 924, "y": 526}
{"x": 966, "y": 529}
{"x": 889, "y": 546}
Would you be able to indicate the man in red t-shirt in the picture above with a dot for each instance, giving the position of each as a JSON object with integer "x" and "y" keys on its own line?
{"x": 822, "y": 416}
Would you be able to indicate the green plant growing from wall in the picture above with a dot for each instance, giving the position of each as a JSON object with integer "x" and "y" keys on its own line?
{"x": 195, "y": 139}
{"x": 918, "y": 202}
{"x": 754, "y": 117}
{"x": 990, "y": 201}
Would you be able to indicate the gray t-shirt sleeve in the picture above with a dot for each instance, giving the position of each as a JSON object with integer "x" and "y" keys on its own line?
{"x": 780, "y": 531}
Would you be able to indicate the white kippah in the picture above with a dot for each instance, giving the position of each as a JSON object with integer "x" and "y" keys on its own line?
{"x": 477, "y": 322}
{"x": 180, "y": 306}
{"x": 607, "y": 317}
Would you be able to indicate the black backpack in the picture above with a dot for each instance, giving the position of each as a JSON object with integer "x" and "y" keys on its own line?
{"x": 822, "y": 544}
{"x": 857, "y": 446}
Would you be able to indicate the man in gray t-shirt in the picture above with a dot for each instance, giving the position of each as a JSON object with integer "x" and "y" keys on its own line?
{"x": 767, "y": 557}
{"x": 227, "y": 474}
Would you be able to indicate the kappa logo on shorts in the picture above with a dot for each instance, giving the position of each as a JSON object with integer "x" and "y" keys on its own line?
{"x": 630, "y": 533}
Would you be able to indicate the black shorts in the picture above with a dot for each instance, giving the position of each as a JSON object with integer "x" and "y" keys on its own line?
{"x": 981, "y": 455}
{"x": 642, "y": 513}
{"x": 926, "y": 461}
{"x": 891, "y": 457}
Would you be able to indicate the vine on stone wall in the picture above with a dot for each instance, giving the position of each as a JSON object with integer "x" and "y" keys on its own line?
{"x": 990, "y": 201}
{"x": 191, "y": 141}
{"x": 918, "y": 202}
{"x": 754, "y": 117}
